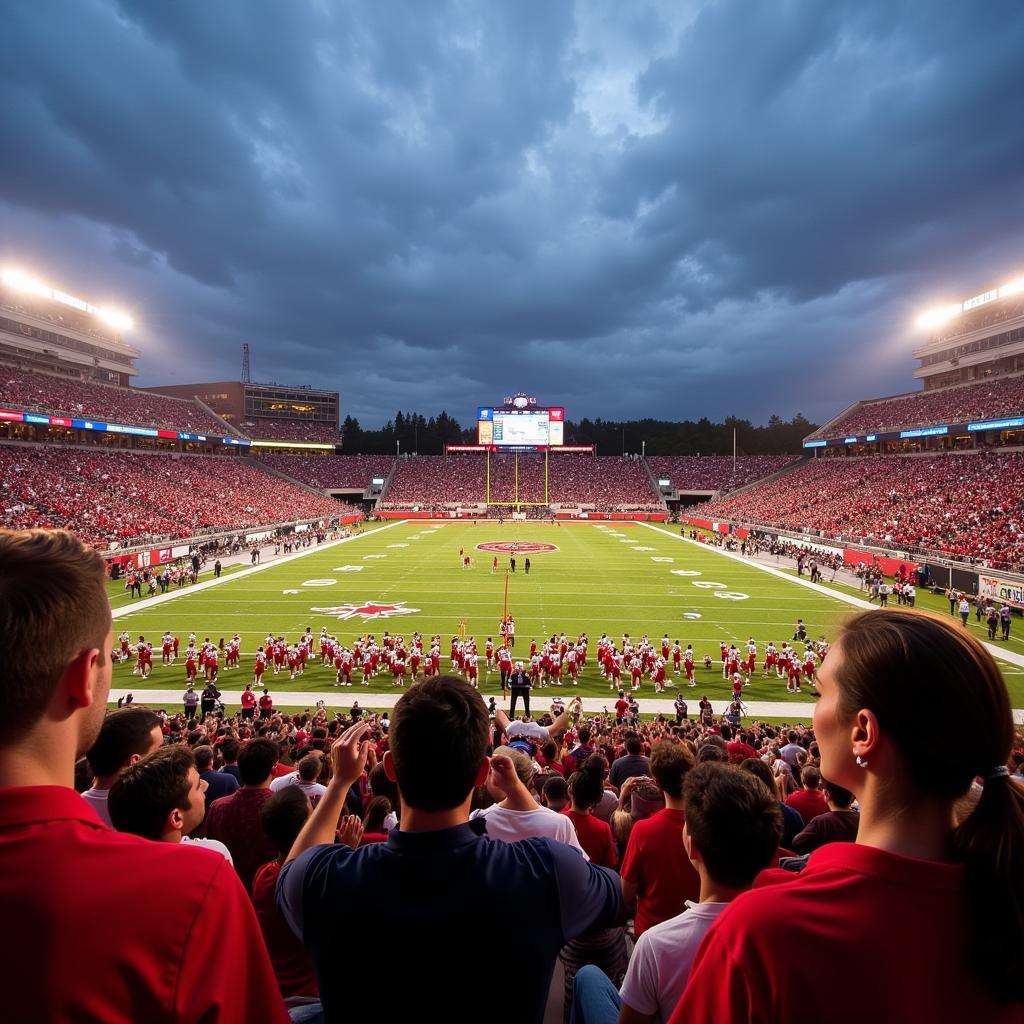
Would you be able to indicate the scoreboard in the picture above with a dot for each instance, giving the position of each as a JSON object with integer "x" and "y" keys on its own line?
{"x": 520, "y": 428}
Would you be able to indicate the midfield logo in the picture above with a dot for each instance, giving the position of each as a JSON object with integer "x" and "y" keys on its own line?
{"x": 368, "y": 610}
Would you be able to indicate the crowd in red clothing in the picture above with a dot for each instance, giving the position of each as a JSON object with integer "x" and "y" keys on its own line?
{"x": 116, "y": 496}
{"x": 716, "y": 472}
{"x": 602, "y": 482}
{"x": 967, "y": 506}
{"x": 331, "y": 471}
{"x": 62, "y": 396}
{"x": 984, "y": 400}
{"x": 292, "y": 430}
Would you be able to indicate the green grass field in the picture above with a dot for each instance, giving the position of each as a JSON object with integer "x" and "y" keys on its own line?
{"x": 620, "y": 578}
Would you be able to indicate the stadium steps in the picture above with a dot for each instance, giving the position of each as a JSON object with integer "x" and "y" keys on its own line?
{"x": 654, "y": 484}
{"x": 763, "y": 480}
{"x": 228, "y": 428}
{"x": 270, "y": 471}
{"x": 387, "y": 483}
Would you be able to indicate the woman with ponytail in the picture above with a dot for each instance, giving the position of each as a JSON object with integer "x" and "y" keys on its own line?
{"x": 923, "y": 917}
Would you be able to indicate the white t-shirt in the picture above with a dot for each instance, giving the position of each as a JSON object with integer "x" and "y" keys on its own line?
{"x": 543, "y": 823}
{"x": 98, "y": 802}
{"x": 314, "y": 790}
{"x": 211, "y": 844}
{"x": 528, "y": 731}
{"x": 662, "y": 958}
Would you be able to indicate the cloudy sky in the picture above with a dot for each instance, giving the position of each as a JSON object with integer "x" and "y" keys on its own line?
{"x": 672, "y": 209}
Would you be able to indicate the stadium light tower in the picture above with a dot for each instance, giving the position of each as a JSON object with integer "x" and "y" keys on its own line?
{"x": 938, "y": 316}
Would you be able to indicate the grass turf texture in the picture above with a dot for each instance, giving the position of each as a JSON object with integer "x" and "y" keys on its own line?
{"x": 597, "y": 580}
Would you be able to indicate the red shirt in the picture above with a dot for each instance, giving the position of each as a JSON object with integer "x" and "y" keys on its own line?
{"x": 808, "y": 803}
{"x": 248, "y": 699}
{"x": 595, "y": 837}
{"x": 170, "y": 916}
{"x": 739, "y": 751}
{"x": 853, "y": 905}
{"x": 235, "y": 821}
{"x": 292, "y": 963}
{"x": 657, "y": 864}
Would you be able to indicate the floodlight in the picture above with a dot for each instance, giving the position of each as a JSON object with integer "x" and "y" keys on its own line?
{"x": 938, "y": 316}
{"x": 1012, "y": 288}
{"x": 23, "y": 282}
{"x": 116, "y": 319}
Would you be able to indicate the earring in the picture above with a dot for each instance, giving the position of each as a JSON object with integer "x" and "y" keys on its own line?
{"x": 860, "y": 761}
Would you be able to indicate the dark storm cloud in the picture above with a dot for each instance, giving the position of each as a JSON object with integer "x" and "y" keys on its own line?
{"x": 644, "y": 209}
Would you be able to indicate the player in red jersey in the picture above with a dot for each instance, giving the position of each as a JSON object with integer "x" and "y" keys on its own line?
{"x": 688, "y": 665}
{"x": 259, "y": 667}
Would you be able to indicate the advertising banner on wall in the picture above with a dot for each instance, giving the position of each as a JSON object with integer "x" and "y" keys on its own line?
{"x": 1001, "y": 588}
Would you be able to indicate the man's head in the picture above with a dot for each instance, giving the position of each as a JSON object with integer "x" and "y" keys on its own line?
{"x": 160, "y": 796}
{"x": 670, "y": 763}
{"x": 309, "y": 767}
{"x": 229, "y": 750}
{"x": 125, "y": 736}
{"x": 810, "y": 777}
{"x": 55, "y": 614}
{"x": 438, "y": 743}
{"x": 522, "y": 764}
{"x": 256, "y": 761}
{"x": 283, "y": 816}
{"x": 733, "y": 823}
{"x": 204, "y": 757}
{"x": 633, "y": 744}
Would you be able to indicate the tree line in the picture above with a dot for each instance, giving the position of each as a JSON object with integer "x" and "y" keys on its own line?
{"x": 412, "y": 432}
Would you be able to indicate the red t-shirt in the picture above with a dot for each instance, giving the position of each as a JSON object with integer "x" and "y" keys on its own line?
{"x": 595, "y": 837}
{"x": 808, "y": 803}
{"x": 739, "y": 751}
{"x": 235, "y": 821}
{"x": 621, "y": 707}
{"x": 169, "y": 913}
{"x": 657, "y": 864}
{"x": 248, "y": 699}
{"x": 293, "y": 965}
{"x": 853, "y": 905}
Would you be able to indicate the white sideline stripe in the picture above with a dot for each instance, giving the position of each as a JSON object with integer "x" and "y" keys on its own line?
{"x": 152, "y": 602}
{"x": 996, "y": 652}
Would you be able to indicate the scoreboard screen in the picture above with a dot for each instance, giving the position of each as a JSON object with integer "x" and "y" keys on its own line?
{"x": 520, "y": 428}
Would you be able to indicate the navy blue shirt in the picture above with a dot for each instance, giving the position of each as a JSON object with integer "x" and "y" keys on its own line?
{"x": 450, "y": 922}
{"x": 218, "y": 784}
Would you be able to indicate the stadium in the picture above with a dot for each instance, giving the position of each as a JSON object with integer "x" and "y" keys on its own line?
{"x": 512, "y": 513}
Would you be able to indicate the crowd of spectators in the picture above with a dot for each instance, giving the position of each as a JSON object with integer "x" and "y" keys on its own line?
{"x": 989, "y": 315}
{"x": 716, "y": 472}
{"x": 600, "y": 482}
{"x": 61, "y": 396}
{"x": 967, "y": 506}
{"x": 110, "y": 497}
{"x": 327, "y": 472}
{"x": 286, "y": 845}
{"x": 983, "y": 400}
{"x": 292, "y": 430}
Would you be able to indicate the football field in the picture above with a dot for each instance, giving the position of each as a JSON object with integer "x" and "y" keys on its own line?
{"x": 612, "y": 578}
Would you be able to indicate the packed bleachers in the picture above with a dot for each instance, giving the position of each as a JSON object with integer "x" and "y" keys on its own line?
{"x": 292, "y": 430}
{"x": 601, "y": 482}
{"x": 967, "y": 506}
{"x": 984, "y": 400}
{"x": 716, "y": 472}
{"x": 433, "y": 480}
{"x": 27, "y": 390}
{"x": 331, "y": 471}
{"x": 116, "y": 496}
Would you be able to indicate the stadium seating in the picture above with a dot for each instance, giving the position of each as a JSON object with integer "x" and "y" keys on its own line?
{"x": 27, "y": 390}
{"x": 968, "y": 506}
{"x": 112, "y": 496}
{"x": 984, "y": 400}
{"x": 331, "y": 471}
{"x": 602, "y": 482}
{"x": 292, "y": 430}
{"x": 715, "y": 472}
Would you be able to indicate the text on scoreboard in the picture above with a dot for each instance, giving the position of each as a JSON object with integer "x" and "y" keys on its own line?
{"x": 520, "y": 428}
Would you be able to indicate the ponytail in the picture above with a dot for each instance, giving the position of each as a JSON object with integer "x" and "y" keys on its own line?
{"x": 889, "y": 656}
{"x": 990, "y": 843}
